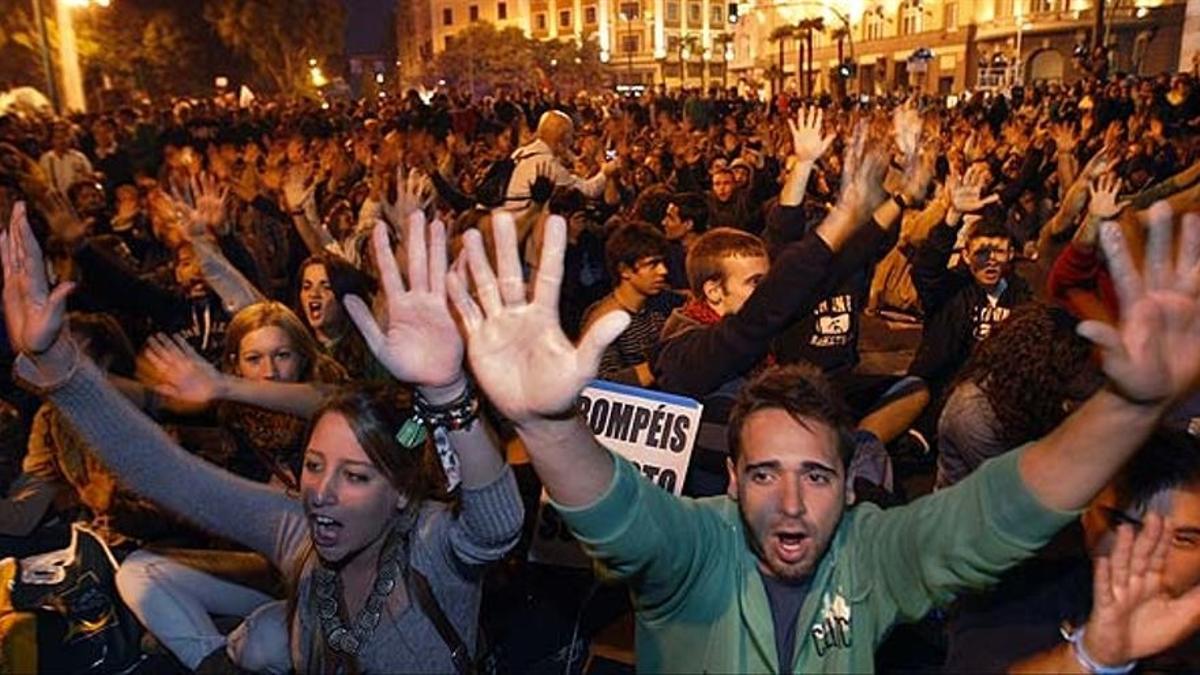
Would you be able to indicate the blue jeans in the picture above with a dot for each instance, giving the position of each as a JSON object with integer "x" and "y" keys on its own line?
{"x": 175, "y": 602}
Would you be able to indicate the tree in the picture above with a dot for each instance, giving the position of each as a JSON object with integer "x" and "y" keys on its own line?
{"x": 280, "y": 36}
{"x": 567, "y": 66}
{"x": 482, "y": 58}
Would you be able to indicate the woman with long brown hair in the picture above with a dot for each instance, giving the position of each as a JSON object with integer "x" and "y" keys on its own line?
{"x": 378, "y": 548}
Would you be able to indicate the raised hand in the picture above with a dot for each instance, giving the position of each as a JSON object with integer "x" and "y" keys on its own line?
{"x": 906, "y": 129}
{"x": 1133, "y": 616}
{"x": 965, "y": 198}
{"x": 206, "y": 210}
{"x": 1065, "y": 138}
{"x": 178, "y": 372}
{"x": 34, "y": 314}
{"x": 808, "y": 143}
{"x": 863, "y": 169}
{"x": 1104, "y": 193}
{"x": 419, "y": 342}
{"x": 299, "y": 185}
{"x": 1152, "y": 355}
{"x": 517, "y": 349}
{"x": 414, "y": 193}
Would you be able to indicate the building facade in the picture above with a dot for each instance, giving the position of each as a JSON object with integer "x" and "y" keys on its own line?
{"x": 946, "y": 46}
{"x": 852, "y": 46}
{"x": 645, "y": 42}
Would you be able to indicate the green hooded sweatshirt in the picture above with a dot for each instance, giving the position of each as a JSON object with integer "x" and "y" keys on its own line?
{"x": 700, "y": 602}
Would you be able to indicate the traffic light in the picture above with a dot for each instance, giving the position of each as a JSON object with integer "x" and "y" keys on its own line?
{"x": 847, "y": 69}
{"x": 732, "y": 12}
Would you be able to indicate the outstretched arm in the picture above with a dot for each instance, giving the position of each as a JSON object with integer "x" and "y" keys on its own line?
{"x": 1151, "y": 358}
{"x": 179, "y": 373}
{"x": 527, "y": 366}
{"x": 136, "y": 449}
{"x": 420, "y": 344}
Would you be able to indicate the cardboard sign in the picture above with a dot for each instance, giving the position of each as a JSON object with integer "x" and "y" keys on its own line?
{"x": 654, "y": 430}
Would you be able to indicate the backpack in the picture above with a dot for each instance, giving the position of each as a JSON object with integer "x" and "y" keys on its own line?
{"x": 74, "y": 619}
{"x": 492, "y": 190}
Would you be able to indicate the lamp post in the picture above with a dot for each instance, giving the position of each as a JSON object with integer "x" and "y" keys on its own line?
{"x": 68, "y": 51}
{"x": 1019, "y": 62}
{"x": 628, "y": 52}
{"x": 51, "y": 88}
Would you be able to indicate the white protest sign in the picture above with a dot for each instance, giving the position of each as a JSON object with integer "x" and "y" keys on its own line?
{"x": 655, "y": 431}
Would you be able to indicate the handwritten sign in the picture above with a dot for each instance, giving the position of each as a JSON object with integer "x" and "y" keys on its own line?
{"x": 653, "y": 430}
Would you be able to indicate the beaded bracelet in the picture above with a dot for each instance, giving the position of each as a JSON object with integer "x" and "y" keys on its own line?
{"x": 457, "y": 415}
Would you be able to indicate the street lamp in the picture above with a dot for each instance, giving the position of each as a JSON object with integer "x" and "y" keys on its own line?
{"x": 1019, "y": 64}
{"x": 68, "y": 51}
{"x": 628, "y": 19}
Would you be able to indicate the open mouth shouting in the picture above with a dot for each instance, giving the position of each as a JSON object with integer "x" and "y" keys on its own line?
{"x": 325, "y": 530}
{"x": 316, "y": 312}
{"x": 790, "y": 545}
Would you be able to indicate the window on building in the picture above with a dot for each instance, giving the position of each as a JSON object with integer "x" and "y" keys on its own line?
{"x": 911, "y": 17}
{"x": 1004, "y": 8}
{"x": 717, "y": 16}
{"x": 589, "y": 15}
{"x": 1044, "y": 6}
{"x": 951, "y": 16}
{"x": 539, "y": 21}
{"x": 473, "y": 12}
{"x": 502, "y": 10}
{"x": 872, "y": 26}
{"x": 694, "y": 13}
{"x": 673, "y": 13}
{"x": 630, "y": 43}
{"x": 564, "y": 18}
{"x": 447, "y": 17}
{"x": 631, "y": 10}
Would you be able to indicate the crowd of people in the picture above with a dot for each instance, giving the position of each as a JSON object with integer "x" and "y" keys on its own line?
{"x": 304, "y": 370}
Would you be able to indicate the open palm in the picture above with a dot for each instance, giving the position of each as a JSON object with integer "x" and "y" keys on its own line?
{"x": 34, "y": 314}
{"x": 1153, "y": 354}
{"x": 419, "y": 343}
{"x": 1133, "y": 615}
{"x": 517, "y": 350}
{"x": 179, "y": 372}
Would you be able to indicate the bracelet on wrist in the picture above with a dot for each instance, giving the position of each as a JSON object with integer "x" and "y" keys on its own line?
{"x": 1075, "y": 637}
{"x": 456, "y": 415}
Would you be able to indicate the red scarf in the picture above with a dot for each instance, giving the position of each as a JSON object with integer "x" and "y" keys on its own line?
{"x": 699, "y": 311}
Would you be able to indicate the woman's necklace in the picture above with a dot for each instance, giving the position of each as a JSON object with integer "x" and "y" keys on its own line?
{"x": 328, "y": 587}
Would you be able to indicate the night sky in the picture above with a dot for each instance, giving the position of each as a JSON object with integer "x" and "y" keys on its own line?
{"x": 368, "y": 24}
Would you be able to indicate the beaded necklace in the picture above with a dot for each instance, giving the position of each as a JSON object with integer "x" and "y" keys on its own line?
{"x": 350, "y": 639}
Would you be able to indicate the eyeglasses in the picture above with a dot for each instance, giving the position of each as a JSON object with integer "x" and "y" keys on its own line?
{"x": 986, "y": 253}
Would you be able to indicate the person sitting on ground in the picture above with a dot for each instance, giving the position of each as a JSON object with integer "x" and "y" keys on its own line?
{"x": 635, "y": 257}
{"x": 779, "y": 575}
{"x": 368, "y": 520}
{"x": 963, "y": 305}
{"x": 1018, "y": 385}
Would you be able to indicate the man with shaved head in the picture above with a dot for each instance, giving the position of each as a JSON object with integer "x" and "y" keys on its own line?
{"x": 551, "y": 154}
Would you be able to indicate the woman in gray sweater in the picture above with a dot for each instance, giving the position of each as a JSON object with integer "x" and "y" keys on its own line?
{"x": 363, "y": 536}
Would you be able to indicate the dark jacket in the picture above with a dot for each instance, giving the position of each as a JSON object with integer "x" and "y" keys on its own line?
{"x": 957, "y": 311}
{"x": 826, "y": 337}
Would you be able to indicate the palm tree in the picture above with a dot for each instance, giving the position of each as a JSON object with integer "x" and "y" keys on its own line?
{"x": 780, "y": 35}
{"x": 806, "y": 28}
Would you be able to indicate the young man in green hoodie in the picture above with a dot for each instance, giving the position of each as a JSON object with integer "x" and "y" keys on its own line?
{"x": 714, "y": 581}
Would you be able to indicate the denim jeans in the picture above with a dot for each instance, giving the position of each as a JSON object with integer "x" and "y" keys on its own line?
{"x": 261, "y": 644}
{"x": 176, "y": 601}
